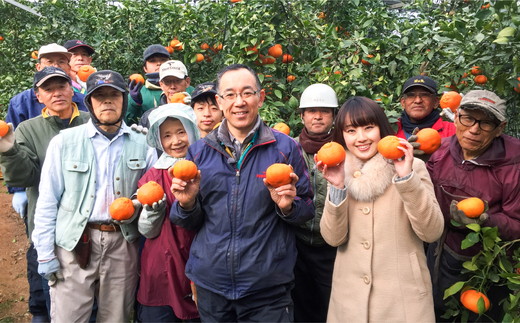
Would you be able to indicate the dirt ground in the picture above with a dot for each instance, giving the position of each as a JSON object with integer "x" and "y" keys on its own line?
{"x": 14, "y": 289}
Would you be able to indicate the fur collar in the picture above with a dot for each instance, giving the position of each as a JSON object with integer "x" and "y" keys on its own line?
{"x": 365, "y": 182}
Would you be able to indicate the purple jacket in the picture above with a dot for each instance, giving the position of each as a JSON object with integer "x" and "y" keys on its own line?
{"x": 494, "y": 176}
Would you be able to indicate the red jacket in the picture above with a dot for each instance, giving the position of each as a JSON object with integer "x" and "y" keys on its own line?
{"x": 163, "y": 259}
{"x": 494, "y": 176}
{"x": 445, "y": 128}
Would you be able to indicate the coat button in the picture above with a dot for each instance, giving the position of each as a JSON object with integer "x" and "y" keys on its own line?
{"x": 366, "y": 279}
{"x": 366, "y": 244}
{"x": 357, "y": 174}
{"x": 137, "y": 165}
{"x": 118, "y": 193}
{"x": 117, "y": 178}
{"x": 366, "y": 210}
{"x": 75, "y": 166}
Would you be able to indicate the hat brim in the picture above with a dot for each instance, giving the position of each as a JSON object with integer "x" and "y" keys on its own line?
{"x": 181, "y": 76}
{"x": 202, "y": 95}
{"x": 106, "y": 84}
{"x": 47, "y": 77}
{"x": 478, "y": 105}
{"x": 67, "y": 54}
{"x": 89, "y": 49}
{"x": 430, "y": 89}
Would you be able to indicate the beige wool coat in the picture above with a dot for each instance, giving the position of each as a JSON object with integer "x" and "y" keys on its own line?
{"x": 380, "y": 274}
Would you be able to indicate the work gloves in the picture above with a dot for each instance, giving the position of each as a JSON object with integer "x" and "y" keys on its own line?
{"x": 151, "y": 219}
{"x": 50, "y": 270}
{"x": 134, "y": 89}
{"x": 137, "y": 210}
{"x": 19, "y": 203}
{"x": 139, "y": 129}
{"x": 7, "y": 141}
{"x": 459, "y": 216}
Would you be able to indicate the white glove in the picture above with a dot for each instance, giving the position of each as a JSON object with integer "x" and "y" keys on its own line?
{"x": 20, "y": 203}
{"x": 151, "y": 218}
{"x": 7, "y": 141}
{"x": 139, "y": 129}
{"x": 448, "y": 114}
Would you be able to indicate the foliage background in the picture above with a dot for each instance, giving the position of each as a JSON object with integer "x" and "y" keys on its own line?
{"x": 328, "y": 39}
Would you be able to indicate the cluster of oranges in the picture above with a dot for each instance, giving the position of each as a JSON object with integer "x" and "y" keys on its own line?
{"x": 207, "y": 49}
{"x": 174, "y": 45}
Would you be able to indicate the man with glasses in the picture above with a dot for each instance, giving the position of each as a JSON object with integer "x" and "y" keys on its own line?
{"x": 420, "y": 108}
{"x": 479, "y": 161}
{"x": 243, "y": 255}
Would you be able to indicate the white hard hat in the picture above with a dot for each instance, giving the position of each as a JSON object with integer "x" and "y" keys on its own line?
{"x": 318, "y": 96}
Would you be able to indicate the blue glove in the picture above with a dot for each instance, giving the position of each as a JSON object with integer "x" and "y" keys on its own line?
{"x": 20, "y": 203}
{"x": 50, "y": 270}
{"x": 135, "y": 91}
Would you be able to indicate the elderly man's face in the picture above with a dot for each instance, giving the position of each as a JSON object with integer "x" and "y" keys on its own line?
{"x": 419, "y": 103}
{"x": 107, "y": 104}
{"x": 472, "y": 138}
{"x": 54, "y": 59}
{"x": 56, "y": 94}
{"x": 80, "y": 57}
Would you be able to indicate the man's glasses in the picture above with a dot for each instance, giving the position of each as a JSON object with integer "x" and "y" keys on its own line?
{"x": 232, "y": 96}
{"x": 413, "y": 95}
{"x": 469, "y": 121}
{"x": 172, "y": 81}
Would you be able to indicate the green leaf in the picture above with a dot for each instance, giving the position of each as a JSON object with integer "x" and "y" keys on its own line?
{"x": 479, "y": 37}
{"x": 278, "y": 94}
{"x": 469, "y": 265}
{"x": 471, "y": 239}
{"x": 501, "y": 40}
{"x": 481, "y": 305}
{"x": 453, "y": 289}
{"x": 506, "y": 32}
{"x": 473, "y": 226}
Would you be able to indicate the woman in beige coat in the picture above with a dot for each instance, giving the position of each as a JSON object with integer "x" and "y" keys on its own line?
{"x": 378, "y": 213}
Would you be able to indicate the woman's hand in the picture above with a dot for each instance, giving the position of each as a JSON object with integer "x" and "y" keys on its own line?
{"x": 334, "y": 175}
{"x": 403, "y": 165}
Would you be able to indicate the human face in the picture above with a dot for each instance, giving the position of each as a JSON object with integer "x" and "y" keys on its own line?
{"x": 362, "y": 141}
{"x": 240, "y": 113}
{"x": 171, "y": 85}
{"x": 317, "y": 120}
{"x": 153, "y": 63}
{"x": 107, "y": 105}
{"x": 418, "y": 103}
{"x": 208, "y": 115}
{"x": 174, "y": 138}
{"x": 473, "y": 140}
{"x": 80, "y": 57}
{"x": 56, "y": 94}
{"x": 54, "y": 59}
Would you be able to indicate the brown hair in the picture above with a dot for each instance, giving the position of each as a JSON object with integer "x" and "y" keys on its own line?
{"x": 360, "y": 111}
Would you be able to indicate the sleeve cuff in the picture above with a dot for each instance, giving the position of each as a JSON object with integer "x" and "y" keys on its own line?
{"x": 336, "y": 195}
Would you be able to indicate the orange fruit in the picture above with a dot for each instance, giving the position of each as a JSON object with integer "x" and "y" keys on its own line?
{"x": 481, "y": 79}
{"x": 174, "y": 42}
{"x": 199, "y": 58}
{"x": 121, "y": 209}
{"x": 268, "y": 60}
{"x": 138, "y": 78}
{"x": 217, "y": 47}
{"x": 337, "y": 72}
{"x": 275, "y": 51}
{"x": 184, "y": 169}
{"x": 485, "y": 6}
{"x": 430, "y": 140}
{"x": 4, "y": 128}
{"x": 177, "y": 98}
{"x": 365, "y": 62}
{"x": 1, "y": 38}
{"x": 169, "y": 49}
{"x": 278, "y": 174}
{"x": 204, "y": 46}
{"x": 235, "y": 1}
{"x": 282, "y": 127}
{"x": 469, "y": 299}
{"x": 388, "y": 147}
{"x": 475, "y": 70}
{"x": 251, "y": 49}
{"x": 322, "y": 15}
{"x": 450, "y": 100}
{"x": 291, "y": 78}
{"x": 331, "y": 154}
{"x": 85, "y": 71}
{"x": 34, "y": 54}
{"x": 150, "y": 193}
{"x": 472, "y": 207}
{"x": 287, "y": 58}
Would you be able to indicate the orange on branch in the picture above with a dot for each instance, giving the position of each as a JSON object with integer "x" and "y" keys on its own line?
{"x": 275, "y": 51}
{"x": 470, "y": 298}
{"x": 481, "y": 79}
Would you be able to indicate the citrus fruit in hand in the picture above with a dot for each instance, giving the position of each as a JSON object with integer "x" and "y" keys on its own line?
{"x": 121, "y": 209}
{"x": 282, "y": 127}
{"x": 177, "y": 98}
{"x": 4, "y": 128}
{"x": 430, "y": 140}
{"x": 450, "y": 100}
{"x": 278, "y": 174}
{"x": 387, "y": 147}
{"x": 138, "y": 78}
{"x": 85, "y": 71}
{"x": 331, "y": 154}
{"x": 150, "y": 193}
{"x": 472, "y": 207}
{"x": 470, "y": 298}
{"x": 184, "y": 169}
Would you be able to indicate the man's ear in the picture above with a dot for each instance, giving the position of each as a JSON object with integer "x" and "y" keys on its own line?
{"x": 188, "y": 81}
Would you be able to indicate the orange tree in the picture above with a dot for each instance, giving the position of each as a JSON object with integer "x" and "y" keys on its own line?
{"x": 357, "y": 47}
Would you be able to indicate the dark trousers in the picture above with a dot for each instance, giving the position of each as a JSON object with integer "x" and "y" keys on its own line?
{"x": 449, "y": 272}
{"x": 313, "y": 282}
{"x": 37, "y": 296}
{"x": 158, "y": 314}
{"x": 272, "y": 304}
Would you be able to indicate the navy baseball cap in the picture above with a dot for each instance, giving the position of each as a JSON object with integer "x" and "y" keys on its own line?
{"x": 75, "y": 43}
{"x": 422, "y": 81}
{"x": 47, "y": 73}
{"x": 155, "y": 49}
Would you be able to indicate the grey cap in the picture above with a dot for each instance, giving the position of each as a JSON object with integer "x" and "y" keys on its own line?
{"x": 485, "y": 100}
{"x": 155, "y": 49}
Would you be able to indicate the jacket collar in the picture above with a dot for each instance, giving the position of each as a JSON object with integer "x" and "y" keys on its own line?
{"x": 75, "y": 112}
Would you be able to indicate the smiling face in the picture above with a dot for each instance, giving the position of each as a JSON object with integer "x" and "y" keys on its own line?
{"x": 208, "y": 115}
{"x": 240, "y": 113}
{"x": 174, "y": 138}
{"x": 472, "y": 139}
{"x": 56, "y": 94}
{"x": 418, "y": 103}
{"x": 107, "y": 106}
{"x": 317, "y": 120}
{"x": 361, "y": 141}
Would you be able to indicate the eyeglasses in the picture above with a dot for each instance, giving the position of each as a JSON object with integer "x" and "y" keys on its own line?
{"x": 231, "y": 96}
{"x": 172, "y": 81}
{"x": 413, "y": 95}
{"x": 469, "y": 121}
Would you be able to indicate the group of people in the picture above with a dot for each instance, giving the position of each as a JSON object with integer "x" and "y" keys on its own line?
{"x": 358, "y": 241}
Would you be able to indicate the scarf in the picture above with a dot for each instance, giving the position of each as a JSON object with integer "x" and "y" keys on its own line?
{"x": 312, "y": 143}
{"x": 409, "y": 126}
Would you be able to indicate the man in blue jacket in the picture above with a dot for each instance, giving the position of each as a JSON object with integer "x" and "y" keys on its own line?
{"x": 243, "y": 255}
